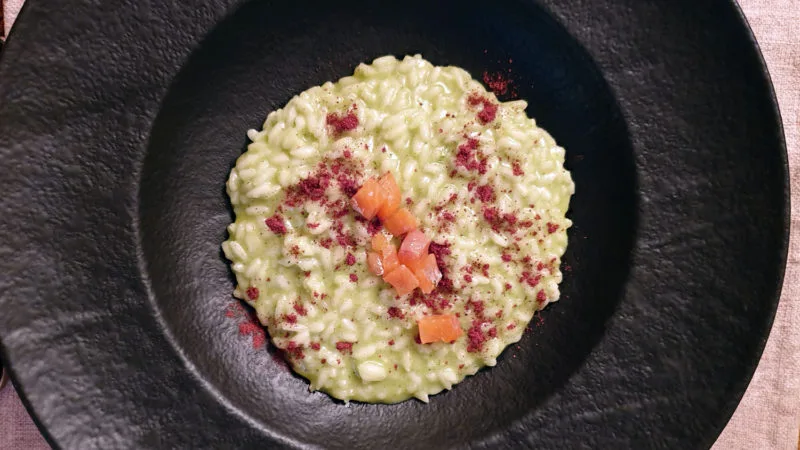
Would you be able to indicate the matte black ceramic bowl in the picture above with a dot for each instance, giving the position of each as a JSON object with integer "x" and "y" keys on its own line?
{"x": 120, "y": 121}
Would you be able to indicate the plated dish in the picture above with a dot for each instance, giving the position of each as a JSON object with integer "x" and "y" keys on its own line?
{"x": 380, "y": 299}
{"x": 119, "y": 137}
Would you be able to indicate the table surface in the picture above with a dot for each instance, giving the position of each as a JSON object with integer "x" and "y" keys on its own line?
{"x": 768, "y": 416}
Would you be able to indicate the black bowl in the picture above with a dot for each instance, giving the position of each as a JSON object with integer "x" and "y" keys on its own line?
{"x": 122, "y": 125}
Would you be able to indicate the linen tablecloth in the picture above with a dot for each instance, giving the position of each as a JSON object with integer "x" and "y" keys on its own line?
{"x": 768, "y": 416}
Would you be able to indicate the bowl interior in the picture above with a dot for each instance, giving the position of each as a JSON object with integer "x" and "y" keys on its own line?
{"x": 253, "y": 63}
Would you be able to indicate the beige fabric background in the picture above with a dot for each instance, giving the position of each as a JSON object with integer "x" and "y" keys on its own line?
{"x": 769, "y": 415}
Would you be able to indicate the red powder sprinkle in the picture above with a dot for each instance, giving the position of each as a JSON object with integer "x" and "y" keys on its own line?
{"x": 530, "y": 279}
{"x": 312, "y": 225}
{"x": 259, "y": 339}
{"x": 247, "y": 328}
{"x": 342, "y": 123}
{"x": 315, "y": 345}
{"x": 300, "y": 309}
{"x": 294, "y": 351}
{"x": 506, "y": 257}
{"x": 466, "y": 152}
{"x": 541, "y": 297}
{"x": 235, "y": 309}
{"x": 468, "y": 278}
{"x": 344, "y": 347}
{"x": 345, "y": 241}
{"x": 475, "y": 337}
{"x": 276, "y": 225}
{"x": 350, "y": 259}
{"x": 511, "y": 326}
{"x": 374, "y": 227}
{"x": 347, "y": 184}
{"x": 326, "y": 242}
{"x": 347, "y": 154}
{"x": 440, "y": 251}
{"x": 492, "y": 216}
{"x": 485, "y": 193}
{"x": 311, "y": 188}
{"x": 253, "y": 329}
{"x": 552, "y": 227}
{"x": 323, "y": 360}
{"x": 448, "y": 216}
{"x": 340, "y": 209}
{"x": 466, "y": 157}
{"x": 567, "y": 268}
{"x": 252, "y": 292}
{"x": 391, "y": 342}
{"x": 488, "y": 113}
{"x": 517, "y": 169}
{"x": 497, "y": 82}
{"x": 291, "y": 318}
{"x": 526, "y": 224}
{"x": 353, "y": 277}
{"x": 476, "y": 306}
{"x": 507, "y": 286}
{"x": 396, "y": 313}
{"x": 489, "y": 110}
{"x": 492, "y": 332}
{"x": 445, "y": 284}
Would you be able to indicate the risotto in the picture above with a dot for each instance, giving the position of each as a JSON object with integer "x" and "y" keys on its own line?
{"x": 475, "y": 175}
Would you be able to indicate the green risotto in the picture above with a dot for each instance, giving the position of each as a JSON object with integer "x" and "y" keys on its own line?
{"x": 485, "y": 183}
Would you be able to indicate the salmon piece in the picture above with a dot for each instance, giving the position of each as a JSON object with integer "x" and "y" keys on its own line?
{"x": 379, "y": 242}
{"x": 441, "y": 327}
{"x": 375, "y": 264}
{"x": 402, "y": 279}
{"x": 414, "y": 247}
{"x": 427, "y": 272}
{"x": 368, "y": 199}
{"x": 389, "y": 258}
{"x": 392, "y": 195}
{"x": 401, "y": 222}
